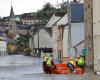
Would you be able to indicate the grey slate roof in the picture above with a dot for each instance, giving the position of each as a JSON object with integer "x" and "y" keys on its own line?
{"x": 77, "y": 12}
{"x": 24, "y": 27}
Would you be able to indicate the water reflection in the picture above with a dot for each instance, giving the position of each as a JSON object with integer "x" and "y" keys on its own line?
{"x": 65, "y": 77}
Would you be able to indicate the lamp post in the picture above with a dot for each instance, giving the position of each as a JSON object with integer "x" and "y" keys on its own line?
{"x": 27, "y": 28}
{"x": 38, "y": 37}
{"x": 38, "y": 41}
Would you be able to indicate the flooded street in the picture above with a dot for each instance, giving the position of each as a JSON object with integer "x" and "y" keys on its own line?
{"x": 18, "y": 67}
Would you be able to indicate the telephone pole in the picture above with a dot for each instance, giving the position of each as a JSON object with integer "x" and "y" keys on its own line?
{"x": 88, "y": 30}
{"x": 69, "y": 29}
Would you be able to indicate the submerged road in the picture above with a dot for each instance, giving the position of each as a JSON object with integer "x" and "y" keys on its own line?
{"x": 19, "y": 67}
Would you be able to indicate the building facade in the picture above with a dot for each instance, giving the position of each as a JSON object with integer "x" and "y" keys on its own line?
{"x": 96, "y": 34}
{"x": 29, "y": 18}
{"x": 60, "y": 32}
{"x": 11, "y": 22}
{"x": 92, "y": 32}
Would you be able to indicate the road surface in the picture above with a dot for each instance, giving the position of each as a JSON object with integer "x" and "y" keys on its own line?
{"x": 19, "y": 67}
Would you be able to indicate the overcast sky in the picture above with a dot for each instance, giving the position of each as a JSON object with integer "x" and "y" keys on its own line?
{"x": 23, "y": 6}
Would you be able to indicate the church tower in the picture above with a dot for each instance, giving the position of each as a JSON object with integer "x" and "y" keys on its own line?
{"x": 12, "y": 23}
{"x": 11, "y": 12}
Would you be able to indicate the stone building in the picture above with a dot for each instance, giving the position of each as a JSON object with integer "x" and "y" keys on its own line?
{"x": 11, "y": 22}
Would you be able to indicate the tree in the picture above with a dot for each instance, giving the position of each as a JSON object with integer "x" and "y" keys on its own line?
{"x": 11, "y": 48}
{"x": 47, "y": 12}
{"x": 21, "y": 41}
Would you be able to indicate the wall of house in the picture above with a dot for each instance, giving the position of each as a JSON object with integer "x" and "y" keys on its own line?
{"x": 77, "y": 35}
{"x": 54, "y": 41}
{"x": 65, "y": 42}
{"x": 31, "y": 42}
{"x": 12, "y": 26}
{"x": 80, "y": 48}
{"x": 45, "y": 39}
{"x": 21, "y": 31}
{"x": 96, "y": 34}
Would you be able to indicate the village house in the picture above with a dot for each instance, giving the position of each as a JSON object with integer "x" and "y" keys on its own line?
{"x": 60, "y": 33}
{"x": 43, "y": 37}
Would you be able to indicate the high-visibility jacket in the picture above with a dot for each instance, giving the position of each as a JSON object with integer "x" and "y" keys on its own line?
{"x": 81, "y": 61}
{"x": 72, "y": 62}
{"x": 48, "y": 62}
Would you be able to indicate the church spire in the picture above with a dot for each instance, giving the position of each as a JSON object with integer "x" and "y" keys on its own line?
{"x": 11, "y": 12}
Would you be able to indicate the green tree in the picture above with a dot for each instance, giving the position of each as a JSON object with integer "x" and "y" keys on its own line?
{"x": 47, "y": 12}
{"x": 21, "y": 41}
{"x": 11, "y": 48}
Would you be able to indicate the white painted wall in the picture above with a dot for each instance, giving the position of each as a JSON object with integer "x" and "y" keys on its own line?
{"x": 77, "y": 35}
{"x": 80, "y": 48}
{"x": 62, "y": 21}
{"x": 96, "y": 53}
{"x": 96, "y": 17}
{"x": 45, "y": 39}
{"x": 96, "y": 34}
{"x": 65, "y": 42}
{"x": 54, "y": 41}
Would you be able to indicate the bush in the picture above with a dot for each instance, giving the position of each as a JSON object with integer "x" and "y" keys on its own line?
{"x": 11, "y": 48}
{"x": 27, "y": 51}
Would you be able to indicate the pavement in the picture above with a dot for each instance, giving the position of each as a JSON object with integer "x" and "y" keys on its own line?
{"x": 91, "y": 75}
{"x": 19, "y": 67}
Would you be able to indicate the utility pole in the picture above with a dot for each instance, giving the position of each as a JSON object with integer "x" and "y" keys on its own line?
{"x": 27, "y": 35}
{"x": 38, "y": 41}
{"x": 38, "y": 37}
{"x": 88, "y": 30}
{"x": 69, "y": 29}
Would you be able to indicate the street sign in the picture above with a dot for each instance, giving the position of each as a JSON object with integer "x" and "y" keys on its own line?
{"x": 84, "y": 51}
